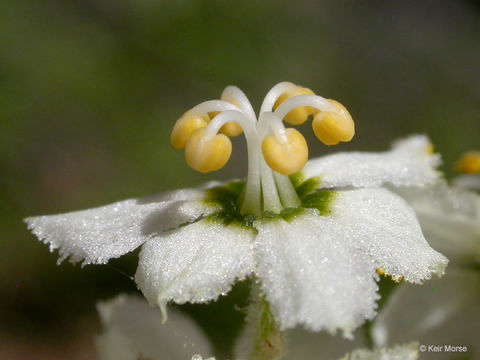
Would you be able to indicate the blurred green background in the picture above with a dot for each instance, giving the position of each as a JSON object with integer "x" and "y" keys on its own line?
{"x": 89, "y": 91}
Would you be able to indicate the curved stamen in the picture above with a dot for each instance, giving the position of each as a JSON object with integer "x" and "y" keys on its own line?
{"x": 233, "y": 93}
{"x": 314, "y": 101}
{"x": 275, "y": 93}
{"x": 211, "y": 106}
{"x": 251, "y": 203}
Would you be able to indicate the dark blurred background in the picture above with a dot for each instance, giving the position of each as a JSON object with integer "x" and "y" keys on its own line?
{"x": 89, "y": 91}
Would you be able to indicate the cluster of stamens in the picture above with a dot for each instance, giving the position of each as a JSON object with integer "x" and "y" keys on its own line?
{"x": 274, "y": 152}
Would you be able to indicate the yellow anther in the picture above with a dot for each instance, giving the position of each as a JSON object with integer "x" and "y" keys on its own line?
{"x": 207, "y": 155}
{"x": 299, "y": 115}
{"x": 469, "y": 163}
{"x": 331, "y": 127}
{"x": 231, "y": 128}
{"x": 184, "y": 127}
{"x": 289, "y": 157}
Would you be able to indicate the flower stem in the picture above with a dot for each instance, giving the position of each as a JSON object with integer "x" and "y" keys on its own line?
{"x": 268, "y": 340}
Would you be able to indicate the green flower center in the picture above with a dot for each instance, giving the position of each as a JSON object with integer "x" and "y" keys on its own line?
{"x": 229, "y": 197}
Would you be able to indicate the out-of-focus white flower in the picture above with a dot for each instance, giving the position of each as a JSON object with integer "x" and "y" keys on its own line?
{"x": 398, "y": 352}
{"x": 442, "y": 312}
{"x": 199, "y": 357}
{"x": 450, "y": 215}
{"x": 450, "y": 219}
{"x": 132, "y": 330}
{"x": 314, "y": 240}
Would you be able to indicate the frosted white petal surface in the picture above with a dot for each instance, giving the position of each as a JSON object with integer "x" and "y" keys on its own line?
{"x": 399, "y": 352}
{"x": 133, "y": 330}
{"x": 312, "y": 275}
{"x": 194, "y": 263}
{"x": 440, "y": 312}
{"x": 450, "y": 219}
{"x": 384, "y": 226}
{"x": 99, "y": 234}
{"x": 408, "y": 163}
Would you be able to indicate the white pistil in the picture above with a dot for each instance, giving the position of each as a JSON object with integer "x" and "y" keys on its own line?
{"x": 268, "y": 121}
{"x": 271, "y": 200}
{"x": 287, "y": 192}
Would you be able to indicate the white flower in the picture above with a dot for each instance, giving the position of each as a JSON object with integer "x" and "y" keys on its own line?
{"x": 313, "y": 240}
{"x": 398, "y": 352}
{"x": 132, "y": 330}
{"x": 441, "y": 312}
{"x": 447, "y": 311}
{"x": 450, "y": 219}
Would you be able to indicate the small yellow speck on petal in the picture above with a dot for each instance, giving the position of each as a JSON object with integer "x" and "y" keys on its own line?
{"x": 381, "y": 272}
{"x": 289, "y": 157}
{"x": 206, "y": 155}
{"x": 299, "y": 115}
{"x": 469, "y": 163}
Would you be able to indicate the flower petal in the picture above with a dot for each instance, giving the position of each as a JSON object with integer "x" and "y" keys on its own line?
{"x": 133, "y": 330}
{"x": 99, "y": 234}
{"x": 382, "y": 225}
{"x": 450, "y": 219}
{"x": 441, "y": 312}
{"x": 195, "y": 263}
{"x": 408, "y": 163}
{"x": 311, "y": 274}
{"x": 398, "y": 352}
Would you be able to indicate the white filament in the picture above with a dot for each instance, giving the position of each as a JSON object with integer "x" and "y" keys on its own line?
{"x": 233, "y": 93}
{"x": 314, "y": 101}
{"x": 211, "y": 106}
{"x": 274, "y": 94}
